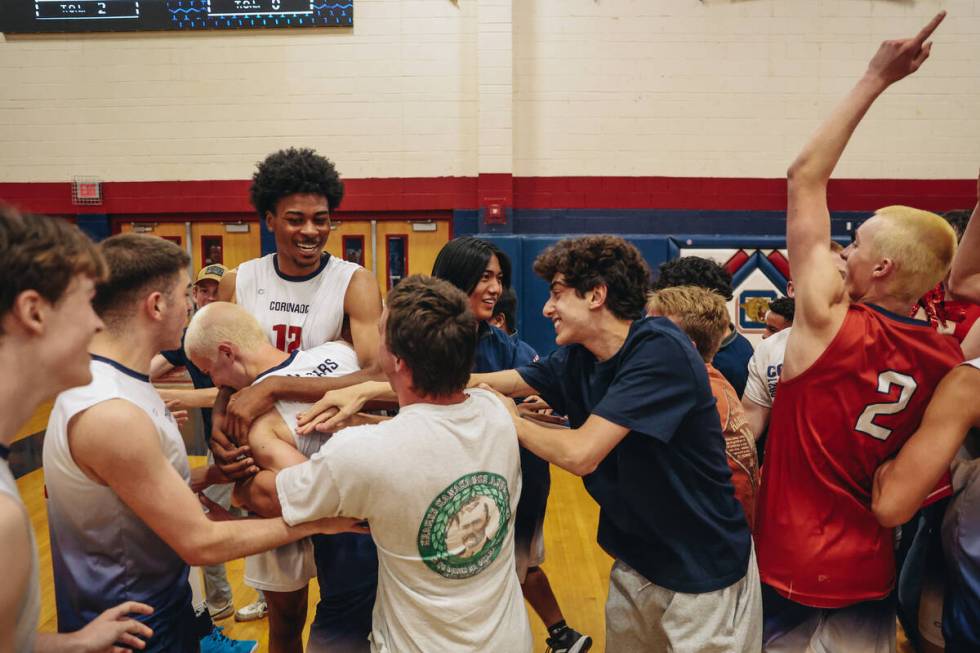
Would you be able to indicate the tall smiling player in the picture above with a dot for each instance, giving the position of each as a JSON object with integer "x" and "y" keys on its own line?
{"x": 302, "y": 297}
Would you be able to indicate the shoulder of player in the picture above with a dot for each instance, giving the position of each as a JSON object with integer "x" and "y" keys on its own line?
{"x": 112, "y": 420}
{"x": 657, "y": 333}
{"x": 362, "y": 291}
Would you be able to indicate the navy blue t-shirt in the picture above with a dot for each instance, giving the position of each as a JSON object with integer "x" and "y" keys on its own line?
{"x": 732, "y": 360}
{"x": 496, "y": 351}
{"x": 178, "y": 358}
{"x": 667, "y": 504}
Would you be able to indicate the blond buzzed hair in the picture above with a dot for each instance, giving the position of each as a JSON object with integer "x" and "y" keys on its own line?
{"x": 699, "y": 312}
{"x": 222, "y": 322}
{"x": 921, "y": 244}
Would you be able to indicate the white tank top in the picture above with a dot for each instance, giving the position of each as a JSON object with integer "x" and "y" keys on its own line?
{"x": 295, "y": 312}
{"x": 25, "y": 629}
{"x": 329, "y": 359}
{"x": 102, "y": 552}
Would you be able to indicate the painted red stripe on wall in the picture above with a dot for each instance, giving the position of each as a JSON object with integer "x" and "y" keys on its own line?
{"x": 447, "y": 193}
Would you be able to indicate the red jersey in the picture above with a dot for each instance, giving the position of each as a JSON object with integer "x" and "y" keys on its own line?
{"x": 818, "y": 542}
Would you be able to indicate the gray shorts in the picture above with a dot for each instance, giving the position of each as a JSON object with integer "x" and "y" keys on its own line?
{"x": 791, "y": 627}
{"x": 645, "y": 618}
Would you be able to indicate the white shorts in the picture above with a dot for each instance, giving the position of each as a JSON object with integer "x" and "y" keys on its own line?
{"x": 529, "y": 553}
{"x": 284, "y": 569}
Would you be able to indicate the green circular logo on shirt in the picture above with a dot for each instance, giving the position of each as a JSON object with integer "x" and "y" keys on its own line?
{"x": 464, "y": 528}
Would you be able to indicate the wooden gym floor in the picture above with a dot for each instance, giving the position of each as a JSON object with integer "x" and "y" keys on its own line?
{"x": 577, "y": 568}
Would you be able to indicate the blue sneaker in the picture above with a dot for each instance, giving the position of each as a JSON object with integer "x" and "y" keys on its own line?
{"x": 217, "y": 642}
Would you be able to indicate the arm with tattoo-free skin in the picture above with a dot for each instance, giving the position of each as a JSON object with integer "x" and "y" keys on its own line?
{"x": 338, "y": 407}
{"x": 116, "y": 444}
{"x": 113, "y": 625}
{"x": 821, "y": 299}
{"x": 903, "y": 483}
{"x": 578, "y": 451}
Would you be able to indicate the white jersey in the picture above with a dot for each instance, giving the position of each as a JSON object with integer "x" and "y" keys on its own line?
{"x": 765, "y": 366}
{"x": 102, "y": 552}
{"x": 291, "y": 567}
{"x": 330, "y": 359}
{"x": 439, "y": 486}
{"x": 29, "y": 610}
{"x": 295, "y": 312}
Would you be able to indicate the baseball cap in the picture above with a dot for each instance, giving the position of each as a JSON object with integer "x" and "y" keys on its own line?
{"x": 214, "y": 272}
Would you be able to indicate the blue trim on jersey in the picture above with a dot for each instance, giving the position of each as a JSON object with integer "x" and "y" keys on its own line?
{"x": 285, "y": 363}
{"x": 122, "y": 368}
{"x": 305, "y": 277}
{"x": 4, "y": 452}
{"x": 899, "y": 318}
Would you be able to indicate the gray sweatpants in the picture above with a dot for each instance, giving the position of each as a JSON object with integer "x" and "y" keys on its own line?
{"x": 645, "y": 618}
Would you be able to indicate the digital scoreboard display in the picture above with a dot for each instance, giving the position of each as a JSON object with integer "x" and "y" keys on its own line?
{"x": 27, "y": 17}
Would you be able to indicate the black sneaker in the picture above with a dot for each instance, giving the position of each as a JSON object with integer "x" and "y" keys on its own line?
{"x": 569, "y": 641}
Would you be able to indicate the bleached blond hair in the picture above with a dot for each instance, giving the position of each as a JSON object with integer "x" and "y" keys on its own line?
{"x": 222, "y": 322}
{"x": 921, "y": 245}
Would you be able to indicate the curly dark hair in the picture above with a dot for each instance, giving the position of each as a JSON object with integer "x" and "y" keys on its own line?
{"x": 589, "y": 261}
{"x": 294, "y": 171}
{"x": 784, "y": 306}
{"x": 695, "y": 271}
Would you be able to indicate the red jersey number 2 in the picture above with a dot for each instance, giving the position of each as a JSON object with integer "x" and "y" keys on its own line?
{"x": 288, "y": 337}
{"x": 886, "y": 380}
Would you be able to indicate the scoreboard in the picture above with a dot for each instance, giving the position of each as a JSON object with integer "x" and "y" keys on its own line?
{"x": 26, "y": 16}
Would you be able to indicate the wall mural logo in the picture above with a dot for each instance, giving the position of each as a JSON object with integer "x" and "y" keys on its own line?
{"x": 752, "y": 308}
{"x": 758, "y": 277}
{"x": 464, "y": 528}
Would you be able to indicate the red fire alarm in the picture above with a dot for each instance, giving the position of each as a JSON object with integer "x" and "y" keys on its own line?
{"x": 495, "y": 214}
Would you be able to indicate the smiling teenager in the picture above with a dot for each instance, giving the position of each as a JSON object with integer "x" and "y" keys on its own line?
{"x": 48, "y": 272}
{"x": 303, "y": 297}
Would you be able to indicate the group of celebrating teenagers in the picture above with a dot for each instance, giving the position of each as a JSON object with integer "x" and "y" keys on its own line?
{"x": 424, "y": 529}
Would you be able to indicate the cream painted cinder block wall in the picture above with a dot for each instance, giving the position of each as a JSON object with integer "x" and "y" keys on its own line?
{"x": 395, "y": 96}
{"x": 428, "y": 88}
{"x": 722, "y": 88}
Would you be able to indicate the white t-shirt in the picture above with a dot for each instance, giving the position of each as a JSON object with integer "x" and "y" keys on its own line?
{"x": 295, "y": 312}
{"x": 765, "y": 367}
{"x": 439, "y": 486}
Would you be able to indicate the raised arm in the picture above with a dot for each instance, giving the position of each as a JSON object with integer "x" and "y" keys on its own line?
{"x": 821, "y": 301}
{"x": 902, "y": 484}
{"x": 964, "y": 277}
{"x": 115, "y": 443}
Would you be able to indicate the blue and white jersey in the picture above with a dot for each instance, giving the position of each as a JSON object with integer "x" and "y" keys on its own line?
{"x": 331, "y": 359}
{"x": 295, "y": 312}
{"x": 102, "y": 552}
